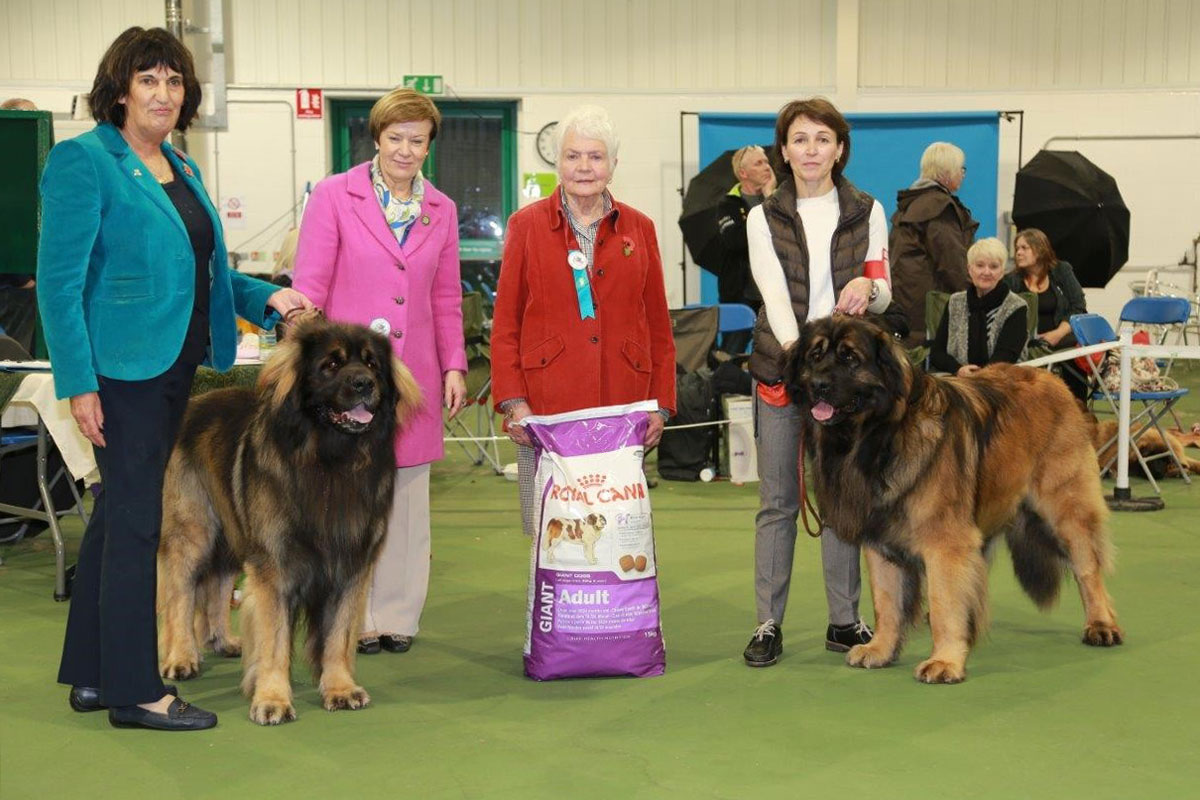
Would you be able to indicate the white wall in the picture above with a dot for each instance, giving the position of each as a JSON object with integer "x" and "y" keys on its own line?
{"x": 648, "y": 60}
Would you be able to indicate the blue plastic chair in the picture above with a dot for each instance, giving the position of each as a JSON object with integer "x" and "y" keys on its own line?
{"x": 731, "y": 318}
{"x": 1092, "y": 329}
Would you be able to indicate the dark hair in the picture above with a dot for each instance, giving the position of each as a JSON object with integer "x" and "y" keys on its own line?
{"x": 135, "y": 50}
{"x": 818, "y": 109}
{"x": 1043, "y": 252}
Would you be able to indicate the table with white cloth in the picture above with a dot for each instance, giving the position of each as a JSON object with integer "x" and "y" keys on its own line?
{"x": 32, "y": 403}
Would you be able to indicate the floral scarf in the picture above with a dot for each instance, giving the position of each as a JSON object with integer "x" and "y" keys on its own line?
{"x": 400, "y": 214}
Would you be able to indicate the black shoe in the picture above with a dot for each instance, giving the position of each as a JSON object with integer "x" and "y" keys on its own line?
{"x": 84, "y": 698}
{"x": 765, "y": 645}
{"x": 180, "y": 716}
{"x": 395, "y": 643}
{"x": 368, "y": 646}
{"x": 840, "y": 638}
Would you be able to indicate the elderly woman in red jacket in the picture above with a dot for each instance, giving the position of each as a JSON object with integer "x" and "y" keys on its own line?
{"x": 581, "y": 311}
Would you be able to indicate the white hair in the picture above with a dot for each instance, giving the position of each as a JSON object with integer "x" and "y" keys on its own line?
{"x": 989, "y": 249}
{"x": 942, "y": 162}
{"x": 589, "y": 122}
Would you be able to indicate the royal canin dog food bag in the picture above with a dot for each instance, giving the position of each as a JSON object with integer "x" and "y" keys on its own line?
{"x": 593, "y": 595}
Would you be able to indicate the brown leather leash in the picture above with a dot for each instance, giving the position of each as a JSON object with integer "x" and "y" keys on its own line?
{"x": 806, "y": 505}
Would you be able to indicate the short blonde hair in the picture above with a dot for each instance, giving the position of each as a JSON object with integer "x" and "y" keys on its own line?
{"x": 740, "y": 157}
{"x": 403, "y": 105}
{"x": 942, "y": 162}
{"x": 989, "y": 249}
{"x": 590, "y": 122}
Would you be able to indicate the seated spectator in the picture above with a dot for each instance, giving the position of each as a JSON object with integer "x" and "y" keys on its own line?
{"x": 988, "y": 323}
{"x": 1059, "y": 294}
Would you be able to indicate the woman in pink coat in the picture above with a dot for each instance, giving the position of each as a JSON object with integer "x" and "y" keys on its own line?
{"x": 379, "y": 246}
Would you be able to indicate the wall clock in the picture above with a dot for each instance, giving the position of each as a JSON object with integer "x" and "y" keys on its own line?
{"x": 546, "y": 144}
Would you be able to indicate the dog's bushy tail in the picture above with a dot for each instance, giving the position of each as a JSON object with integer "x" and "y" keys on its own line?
{"x": 1038, "y": 559}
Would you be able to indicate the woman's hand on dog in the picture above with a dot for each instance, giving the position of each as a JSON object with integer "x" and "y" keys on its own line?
{"x": 517, "y": 433}
{"x": 454, "y": 391}
{"x": 288, "y": 300}
{"x": 855, "y": 297}
{"x": 85, "y": 408}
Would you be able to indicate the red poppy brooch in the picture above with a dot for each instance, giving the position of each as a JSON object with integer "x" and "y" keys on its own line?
{"x": 627, "y": 248}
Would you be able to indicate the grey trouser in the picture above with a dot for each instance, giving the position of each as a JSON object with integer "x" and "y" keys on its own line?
{"x": 777, "y": 436}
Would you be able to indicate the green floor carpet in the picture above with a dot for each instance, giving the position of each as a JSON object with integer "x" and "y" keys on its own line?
{"x": 1041, "y": 715}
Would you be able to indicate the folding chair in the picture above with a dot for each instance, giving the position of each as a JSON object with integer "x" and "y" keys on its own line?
{"x": 479, "y": 388}
{"x": 1164, "y": 315}
{"x": 1092, "y": 329}
{"x": 735, "y": 318}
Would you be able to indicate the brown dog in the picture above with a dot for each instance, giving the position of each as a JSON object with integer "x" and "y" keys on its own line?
{"x": 925, "y": 472}
{"x": 585, "y": 532}
{"x": 1151, "y": 444}
{"x": 292, "y": 482}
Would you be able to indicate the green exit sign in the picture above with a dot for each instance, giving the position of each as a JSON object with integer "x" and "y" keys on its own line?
{"x": 425, "y": 84}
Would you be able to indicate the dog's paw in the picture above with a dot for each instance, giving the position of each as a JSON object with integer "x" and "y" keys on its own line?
{"x": 180, "y": 669}
{"x": 935, "y": 670}
{"x": 271, "y": 710}
{"x": 228, "y": 648}
{"x": 347, "y": 699}
{"x": 1102, "y": 634}
{"x": 868, "y": 657}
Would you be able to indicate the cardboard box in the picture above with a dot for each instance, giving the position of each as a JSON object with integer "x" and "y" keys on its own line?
{"x": 739, "y": 455}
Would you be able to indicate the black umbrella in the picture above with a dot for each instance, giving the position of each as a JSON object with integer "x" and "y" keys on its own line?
{"x": 1078, "y": 206}
{"x": 699, "y": 218}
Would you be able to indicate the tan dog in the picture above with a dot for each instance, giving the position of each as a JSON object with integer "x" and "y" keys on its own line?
{"x": 291, "y": 482}
{"x": 1150, "y": 443}
{"x": 925, "y": 472}
{"x": 586, "y": 532}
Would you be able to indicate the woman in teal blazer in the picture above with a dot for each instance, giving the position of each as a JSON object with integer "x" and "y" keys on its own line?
{"x": 135, "y": 292}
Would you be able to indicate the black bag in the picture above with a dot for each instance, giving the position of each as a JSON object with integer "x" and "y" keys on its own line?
{"x": 683, "y": 454}
{"x": 18, "y": 487}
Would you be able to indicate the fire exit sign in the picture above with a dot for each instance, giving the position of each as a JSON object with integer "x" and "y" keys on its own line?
{"x": 425, "y": 84}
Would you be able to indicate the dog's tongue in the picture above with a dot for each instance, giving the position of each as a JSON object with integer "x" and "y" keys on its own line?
{"x": 822, "y": 411}
{"x": 360, "y": 414}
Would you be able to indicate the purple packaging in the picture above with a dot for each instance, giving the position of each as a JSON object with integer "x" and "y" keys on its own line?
{"x": 593, "y": 592}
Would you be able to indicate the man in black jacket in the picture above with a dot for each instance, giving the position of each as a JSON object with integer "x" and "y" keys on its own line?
{"x": 756, "y": 180}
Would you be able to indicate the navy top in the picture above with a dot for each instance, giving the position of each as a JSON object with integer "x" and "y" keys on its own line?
{"x": 200, "y": 231}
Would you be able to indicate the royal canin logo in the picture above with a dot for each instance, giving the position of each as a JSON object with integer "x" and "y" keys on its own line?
{"x": 591, "y": 490}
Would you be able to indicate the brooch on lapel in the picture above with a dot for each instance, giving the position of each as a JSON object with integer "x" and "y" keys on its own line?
{"x": 627, "y": 248}
{"x": 137, "y": 173}
{"x": 424, "y": 219}
{"x": 187, "y": 170}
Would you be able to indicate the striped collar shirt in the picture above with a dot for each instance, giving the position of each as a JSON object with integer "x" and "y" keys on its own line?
{"x": 586, "y": 234}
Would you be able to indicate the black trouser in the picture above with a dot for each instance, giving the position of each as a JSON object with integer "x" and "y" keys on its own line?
{"x": 112, "y": 636}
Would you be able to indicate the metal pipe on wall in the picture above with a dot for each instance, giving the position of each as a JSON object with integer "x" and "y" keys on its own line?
{"x": 174, "y": 24}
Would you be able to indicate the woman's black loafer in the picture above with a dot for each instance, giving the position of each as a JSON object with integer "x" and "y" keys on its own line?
{"x": 395, "y": 644}
{"x": 84, "y": 698}
{"x": 368, "y": 646}
{"x": 180, "y": 716}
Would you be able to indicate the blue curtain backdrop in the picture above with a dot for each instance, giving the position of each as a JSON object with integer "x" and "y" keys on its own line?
{"x": 885, "y": 156}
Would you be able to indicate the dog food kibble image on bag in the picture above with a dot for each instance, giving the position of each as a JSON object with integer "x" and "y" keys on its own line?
{"x": 593, "y": 605}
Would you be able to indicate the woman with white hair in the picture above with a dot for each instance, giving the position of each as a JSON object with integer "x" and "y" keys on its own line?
{"x": 987, "y": 323}
{"x": 931, "y": 231}
{"x": 581, "y": 310}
